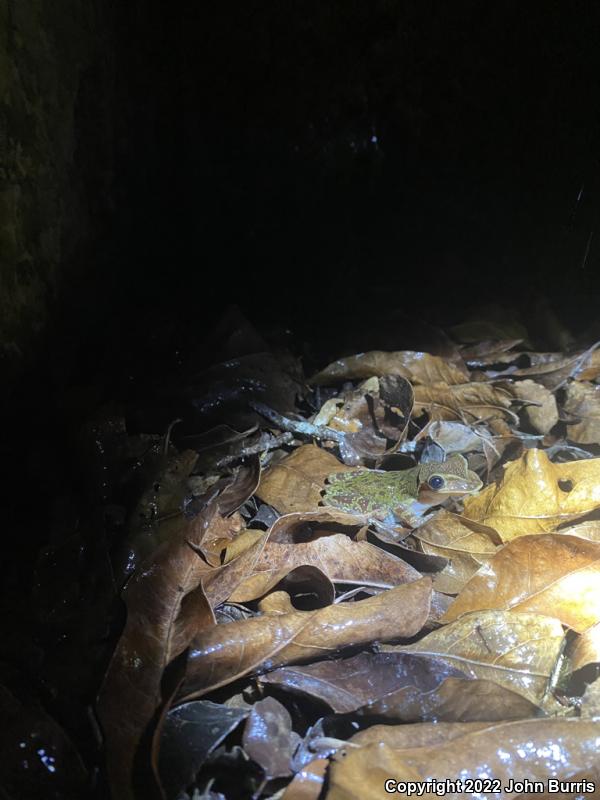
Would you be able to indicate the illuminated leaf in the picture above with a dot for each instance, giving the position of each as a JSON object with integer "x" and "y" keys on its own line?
{"x": 517, "y": 651}
{"x": 536, "y": 496}
{"x": 553, "y": 574}
{"x": 533, "y": 750}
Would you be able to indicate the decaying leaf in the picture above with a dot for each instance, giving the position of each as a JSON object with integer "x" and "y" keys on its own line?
{"x": 536, "y": 495}
{"x": 553, "y": 574}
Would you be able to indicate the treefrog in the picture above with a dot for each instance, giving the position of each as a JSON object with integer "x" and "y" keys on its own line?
{"x": 400, "y": 497}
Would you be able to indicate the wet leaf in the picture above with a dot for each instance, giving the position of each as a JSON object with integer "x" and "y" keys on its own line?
{"x": 532, "y": 750}
{"x": 534, "y": 495}
{"x": 296, "y": 482}
{"x": 223, "y": 654}
{"x": 221, "y": 393}
{"x": 158, "y": 513}
{"x": 412, "y": 735}
{"x": 466, "y": 544}
{"x": 400, "y": 686}
{"x": 583, "y": 403}
{"x": 414, "y": 366}
{"x": 308, "y": 782}
{"x": 168, "y": 600}
{"x": 349, "y": 683}
{"x": 553, "y": 574}
{"x": 269, "y": 739}
{"x": 189, "y": 734}
{"x": 517, "y": 651}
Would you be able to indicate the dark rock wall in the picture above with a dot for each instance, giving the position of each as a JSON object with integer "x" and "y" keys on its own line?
{"x": 57, "y": 62}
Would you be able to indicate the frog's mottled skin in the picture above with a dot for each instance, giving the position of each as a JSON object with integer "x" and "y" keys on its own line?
{"x": 399, "y": 497}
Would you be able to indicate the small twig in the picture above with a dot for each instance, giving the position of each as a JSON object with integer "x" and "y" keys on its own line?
{"x": 299, "y": 427}
{"x": 259, "y": 447}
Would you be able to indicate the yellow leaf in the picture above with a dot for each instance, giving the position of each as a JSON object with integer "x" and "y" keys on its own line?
{"x": 536, "y": 496}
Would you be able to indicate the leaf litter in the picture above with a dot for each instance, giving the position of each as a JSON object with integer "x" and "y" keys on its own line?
{"x": 251, "y": 630}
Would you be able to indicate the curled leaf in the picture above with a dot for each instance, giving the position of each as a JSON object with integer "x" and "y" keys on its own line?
{"x": 221, "y": 655}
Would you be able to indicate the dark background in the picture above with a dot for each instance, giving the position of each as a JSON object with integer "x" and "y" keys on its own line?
{"x": 300, "y": 157}
{"x": 317, "y": 163}
{"x": 323, "y": 166}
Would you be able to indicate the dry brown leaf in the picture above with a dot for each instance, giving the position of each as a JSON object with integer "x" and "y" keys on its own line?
{"x": 536, "y": 496}
{"x": 414, "y": 366}
{"x": 549, "y": 574}
{"x": 296, "y": 482}
{"x": 517, "y": 651}
{"x": 553, "y": 372}
{"x": 227, "y": 652}
{"x": 583, "y": 402}
{"x": 465, "y": 543}
{"x": 336, "y": 555}
{"x": 534, "y": 750}
{"x": 544, "y": 415}
{"x": 464, "y": 402}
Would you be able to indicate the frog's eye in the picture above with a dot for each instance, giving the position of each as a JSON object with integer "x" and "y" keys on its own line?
{"x": 436, "y": 482}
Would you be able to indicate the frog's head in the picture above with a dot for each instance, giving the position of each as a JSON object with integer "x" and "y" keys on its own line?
{"x": 441, "y": 479}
